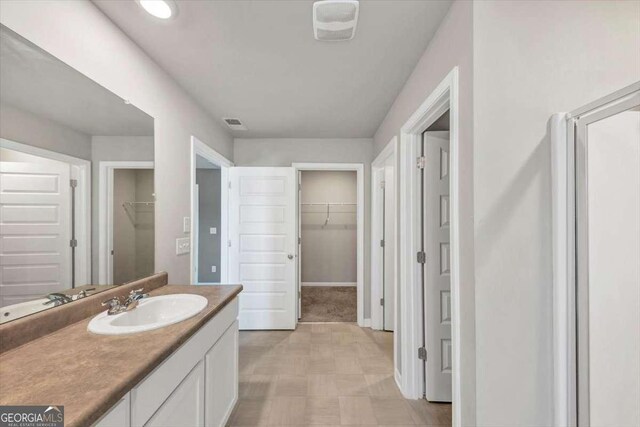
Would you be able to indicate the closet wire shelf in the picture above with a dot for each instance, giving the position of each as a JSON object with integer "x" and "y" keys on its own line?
{"x": 339, "y": 208}
{"x": 136, "y": 212}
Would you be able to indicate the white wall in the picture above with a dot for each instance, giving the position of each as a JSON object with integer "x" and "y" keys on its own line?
{"x": 531, "y": 59}
{"x": 451, "y": 46}
{"x": 329, "y": 252}
{"x": 284, "y": 152}
{"x": 21, "y": 126}
{"x": 81, "y": 36}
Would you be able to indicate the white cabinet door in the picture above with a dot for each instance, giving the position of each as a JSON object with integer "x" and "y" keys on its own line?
{"x": 221, "y": 383}
{"x": 438, "y": 267}
{"x": 261, "y": 257}
{"x": 35, "y": 230}
{"x": 119, "y": 415}
{"x": 185, "y": 406}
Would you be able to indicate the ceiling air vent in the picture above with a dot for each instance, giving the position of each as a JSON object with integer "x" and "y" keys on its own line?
{"x": 335, "y": 20}
{"x": 235, "y": 124}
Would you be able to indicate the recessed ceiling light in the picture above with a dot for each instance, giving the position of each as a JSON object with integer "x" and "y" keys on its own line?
{"x": 163, "y": 9}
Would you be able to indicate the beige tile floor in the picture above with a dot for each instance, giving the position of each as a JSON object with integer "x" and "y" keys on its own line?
{"x": 325, "y": 375}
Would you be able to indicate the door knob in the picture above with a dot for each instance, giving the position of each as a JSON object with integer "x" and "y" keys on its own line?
{"x": 290, "y": 256}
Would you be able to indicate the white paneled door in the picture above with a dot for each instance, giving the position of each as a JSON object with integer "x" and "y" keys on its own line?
{"x": 263, "y": 247}
{"x": 437, "y": 271}
{"x": 35, "y": 230}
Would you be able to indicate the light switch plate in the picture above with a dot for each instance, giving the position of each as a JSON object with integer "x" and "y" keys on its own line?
{"x": 213, "y": 269}
{"x": 183, "y": 246}
{"x": 186, "y": 225}
{"x": 213, "y": 230}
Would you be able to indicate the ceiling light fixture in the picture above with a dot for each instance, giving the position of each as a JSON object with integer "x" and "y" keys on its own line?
{"x": 163, "y": 9}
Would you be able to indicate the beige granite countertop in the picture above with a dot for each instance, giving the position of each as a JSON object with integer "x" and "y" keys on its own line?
{"x": 89, "y": 373}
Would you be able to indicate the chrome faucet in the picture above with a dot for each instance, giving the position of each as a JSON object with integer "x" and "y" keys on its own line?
{"x": 57, "y": 299}
{"x": 82, "y": 293}
{"x": 116, "y": 306}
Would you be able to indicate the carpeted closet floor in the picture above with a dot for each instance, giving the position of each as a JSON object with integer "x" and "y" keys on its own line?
{"x": 329, "y": 304}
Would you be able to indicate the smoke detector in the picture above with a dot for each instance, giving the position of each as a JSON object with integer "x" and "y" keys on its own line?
{"x": 335, "y": 20}
{"x": 235, "y": 124}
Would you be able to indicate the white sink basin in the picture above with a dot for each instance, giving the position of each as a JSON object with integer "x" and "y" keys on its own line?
{"x": 151, "y": 313}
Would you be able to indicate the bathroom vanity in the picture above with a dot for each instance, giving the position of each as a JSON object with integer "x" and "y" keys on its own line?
{"x": 184, "y": 374}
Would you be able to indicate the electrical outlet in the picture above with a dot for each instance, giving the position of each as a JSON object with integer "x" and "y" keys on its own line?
{"x": 183, "y": 246}
{"x": 213, "y": 230}
{"x": 213, "y": 269}
{"x": 186, "y": 225}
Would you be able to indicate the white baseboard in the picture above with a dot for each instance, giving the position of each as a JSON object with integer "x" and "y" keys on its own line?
{"x": 367, "y": 323}
{"x": 398, "y": 379}
{"x": 354, "y": 284}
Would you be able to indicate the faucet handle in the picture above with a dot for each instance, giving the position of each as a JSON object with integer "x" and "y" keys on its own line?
{"x": 111, "y": 302}
{"x": 135, "y": 295}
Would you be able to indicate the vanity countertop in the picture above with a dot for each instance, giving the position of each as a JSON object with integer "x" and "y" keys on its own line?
{"x": 89, "y": 373}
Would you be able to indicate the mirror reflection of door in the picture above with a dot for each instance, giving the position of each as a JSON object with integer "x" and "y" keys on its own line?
{"x": 35, "y": 197}
{"x": 608, "y": 264}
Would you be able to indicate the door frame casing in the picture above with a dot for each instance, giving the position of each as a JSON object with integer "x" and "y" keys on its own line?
{"x": 80, "y": 170}
{"x": 199, "y": 148}
{"x": 444, "y": 97}
{"x": 105, "y": 213}
{"x": 359, "y": 169}
{"x": 564, "y": 142}
{"x": 377, "y": 166}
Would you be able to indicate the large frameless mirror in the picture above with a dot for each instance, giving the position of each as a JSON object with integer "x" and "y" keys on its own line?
{"x": 76, "y": 184}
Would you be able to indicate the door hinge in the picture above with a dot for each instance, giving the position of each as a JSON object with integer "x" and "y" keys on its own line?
{"x": 422, "y": 257}
{"x": 73, "y": 243}
{"x": 73, "y": 183}
{"x": 382, "y": 184}
{"x": 382, "y": 302}
{"x": 382, "y": 243}
{"x": 299, "y": 240}
{"x": 229, "y": 185}
{"x": 228, "y": 243}
{"x": 421, "y": 162}
{"x": 299, "y": 187}
{"x": 422, "y": 354}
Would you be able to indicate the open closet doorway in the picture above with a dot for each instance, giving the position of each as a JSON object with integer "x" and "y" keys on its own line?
{"x": 435, "y": 259}
{"x": 330, "y": 243}
{"x": 209, "y": 215}
{"x": 429, "y": 322}
{"x": 127, "y": 204}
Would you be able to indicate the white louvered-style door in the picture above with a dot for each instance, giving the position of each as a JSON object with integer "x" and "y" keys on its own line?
{"x": 263, "y": 245}
{"x": 35, "y": 230}
{"x": 437, "y": 267}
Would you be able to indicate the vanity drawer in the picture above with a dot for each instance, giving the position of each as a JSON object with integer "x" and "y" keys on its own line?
{"x": 149, "y": 395}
